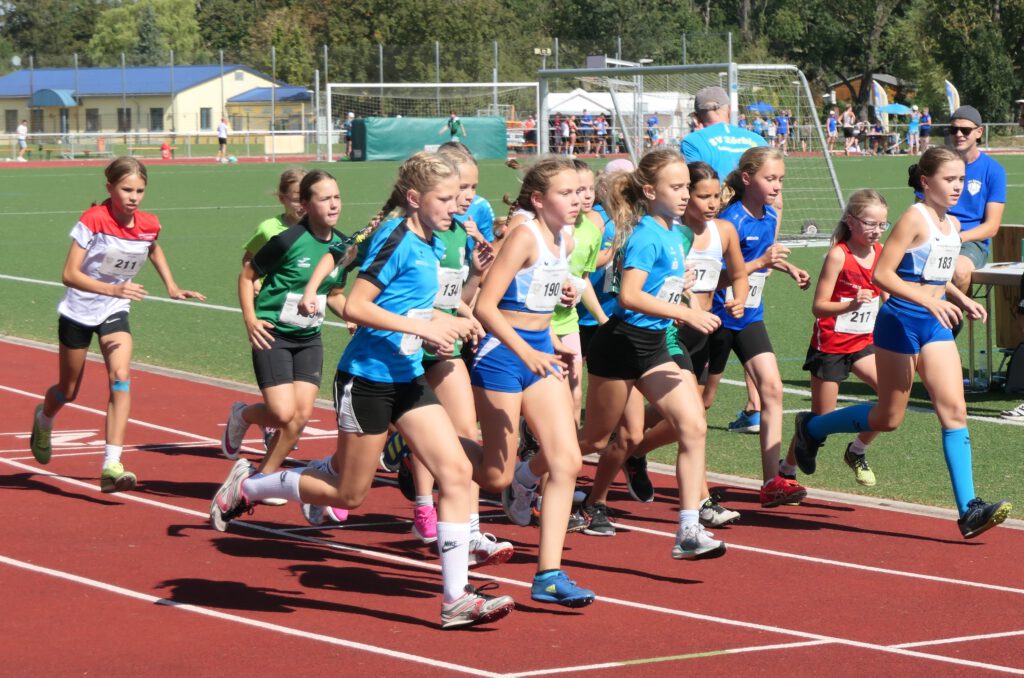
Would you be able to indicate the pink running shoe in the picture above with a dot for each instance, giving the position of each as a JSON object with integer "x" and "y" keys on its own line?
{"x": 340, "y": 515}
{"x": 424, "y": 524}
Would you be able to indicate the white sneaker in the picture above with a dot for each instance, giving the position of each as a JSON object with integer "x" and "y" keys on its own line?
{"x": 485, "y": 549}
{"x": 695, "y": 543}
{"x": 314, "y": 514}
{"x": 1016, "y": 414}
{"x": 517, "y": 499}
{"x": 713, "y": 514}
{"x": 229, "y": 502}
{"x": 474, "y": 607}
{"x": 234, "y": 432}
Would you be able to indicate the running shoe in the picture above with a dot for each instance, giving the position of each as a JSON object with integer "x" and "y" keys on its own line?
{"x": 115, "y": 479}
{"x": 782, "y": 491}
{"x": 314, "y": 514}
{"x": 424, "y": 524}
{"x": 268, "y": 437}
{"x": 804, "y": 446}
{"x": 713, "y": 514}
{"x": 406, "y": 483}
{"x": 517, "y": 500}
{"x": 1016, "y": 414}
{"x": 859, "y": 464}
{"x": 637, "y": 481}
{"x": 475, "y": 607}
{"x": 394, "y": 451}
{"x": 557, "y": 588}
{"x": 485, "y": 549}
{"x": 39, "y": 441}
{"x": 598, "y": 523}
{"x": 336, "y": 513}
{"x": 577, "y": 518}
{"x": 981, "y": 516}
{"x": 746, "y": 422}
{"x": 230, "y": 502}
{"x": 234, "y": 432}
{"x": 695, "y": 543}
{"x": 528, "y": 445}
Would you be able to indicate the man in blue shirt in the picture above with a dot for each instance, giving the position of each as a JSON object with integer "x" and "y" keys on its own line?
{"x": 718, "y": 143}
{"x": 981, "y": 204}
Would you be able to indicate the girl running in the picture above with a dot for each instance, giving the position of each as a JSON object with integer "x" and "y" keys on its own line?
{"x": 913, "y": 334}
{"x": 287, "y": 350}
{"x": 110, "y": 243}
{"x": 756, "y": 183}
{"x": 846, "y": 303}
{"x": 380, "y": 381}
{"x": 630, "y": 348}
{"x": 714, "y": 242}
{"x": 516, "y": 371}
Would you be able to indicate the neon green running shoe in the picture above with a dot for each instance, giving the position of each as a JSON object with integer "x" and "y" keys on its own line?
{"x": 40, "y": 439}
{"x": 858, "y": 463}
{"x": 115, "y": 479}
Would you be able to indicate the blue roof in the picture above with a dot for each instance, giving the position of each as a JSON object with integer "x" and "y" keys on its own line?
{"x": 263, "y": 95}
{"x": 138, "y": 80}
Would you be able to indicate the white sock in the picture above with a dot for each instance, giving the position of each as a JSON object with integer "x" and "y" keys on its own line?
{"x": 453, "y": 546}
{"x": 858, "y": 448}
{"x": 427, "y": 500}
{"x": 786, "y": 468}
{"x": 111, "y": 455}
{"x": 687, "y": 517}
{"x": 277, "y": 485}
{"x": 525, "y": 476}
{"x": 474, "y": 525}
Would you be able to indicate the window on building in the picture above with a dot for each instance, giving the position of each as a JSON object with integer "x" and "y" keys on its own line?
{"x": 10, "y": 121}
{"x": 124, "y": 120}
{"x": 92, "y": 120}
{"x": 205, "y": 118}
{"x": 156, "y": 120}
{"x": 36, "y": 120}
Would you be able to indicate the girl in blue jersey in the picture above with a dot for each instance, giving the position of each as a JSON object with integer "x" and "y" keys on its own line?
{"x": 380, "y": 381}
{"x": 630, "y": 349}
{"x": 913, "y": 334}
{"x": 756, "y": 183}
{"x": 516, "y": 371}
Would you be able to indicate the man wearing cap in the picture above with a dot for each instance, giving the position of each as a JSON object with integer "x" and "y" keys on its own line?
{"x": 718, "y": 143}
{"x": 981, "y": 204}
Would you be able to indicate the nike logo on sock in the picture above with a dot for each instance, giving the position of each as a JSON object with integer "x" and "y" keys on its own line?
{"x": 448, "y": 546}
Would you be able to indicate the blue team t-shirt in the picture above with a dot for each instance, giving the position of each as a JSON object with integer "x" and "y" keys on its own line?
{"x": 660, "y": 252}
{"x": 783, "y": 122}
{"x": 720, "y": 146}
{"x": 483, "y": 214}
{"x": 756, "y": 236}
{"x": 404, "y": 267}
{"x": 831, "y": 124}
{"x": 984, "y": 182}
{"x": 599, "y": 278}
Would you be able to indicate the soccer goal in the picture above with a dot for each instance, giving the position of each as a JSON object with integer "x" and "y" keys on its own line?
{"x": 510, "y": 101}
{"x": 649, "y": 106}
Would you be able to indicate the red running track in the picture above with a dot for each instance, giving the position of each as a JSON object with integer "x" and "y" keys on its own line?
{"x": 125, "y": 584}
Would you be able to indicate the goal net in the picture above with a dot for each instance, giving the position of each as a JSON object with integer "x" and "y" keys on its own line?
{"x": 511, "y": 101}
{"x": 652, "y": 106}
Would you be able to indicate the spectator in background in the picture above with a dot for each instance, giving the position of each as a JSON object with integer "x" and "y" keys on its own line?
{"x": 741, "y": 121}
{"x": 586, "y": 130}
{"x": 563, "y": 135}
{"x": 555, "y": 134}
{"x": 222, "y": 140}
{"x": 453, "y": 125}
{"x": 601, "y": 132}
{"x": 849, "y": 123}
{"x": 832, "y": 126}
{"x": 574, "y": 132}
{"x": 22, "y": 132}
{"x": 347, "y": 126}
{"x": 877, "y": 138}
{"x": 782, "y": 134}
{"x": 757, "y": 126}
{"x": 530, "y": 132}
{"x": 926, "y": 129}
{"x": 771, "y": 132}
{"x": 914, "y": 132}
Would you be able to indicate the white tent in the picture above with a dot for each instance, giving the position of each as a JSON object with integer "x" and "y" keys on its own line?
{"x": 658, "y": 103}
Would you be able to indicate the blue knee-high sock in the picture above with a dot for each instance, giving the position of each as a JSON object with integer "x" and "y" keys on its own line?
{"x": 852, "y": 419}
{"x": 956, "y": 444}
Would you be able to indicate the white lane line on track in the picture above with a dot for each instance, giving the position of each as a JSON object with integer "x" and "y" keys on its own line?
{"x": 961, "y": 639}
{"x": 428, "y": 566}
{"x": 238, "y": 619}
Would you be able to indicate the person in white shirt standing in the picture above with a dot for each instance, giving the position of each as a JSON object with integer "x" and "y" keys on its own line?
{"x": 222, "y": 140}
{"x": 22, "y": 132}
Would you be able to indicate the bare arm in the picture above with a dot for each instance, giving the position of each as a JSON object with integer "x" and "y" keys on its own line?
{"x": 163, "y": 269}
{"x": 633, "y": 298}
{"x": 441, "y": 330}
{"x": 73, "y": 276}
{"x": 989, "y": 225}
{"x": 823, "y": 306}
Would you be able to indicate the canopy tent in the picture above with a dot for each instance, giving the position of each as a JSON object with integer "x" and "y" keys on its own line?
{"x": 894, "y": 109}
{"x": 760, "y": 107}
{"x": 656, "y": 103}
{"x": 53, "y": 98}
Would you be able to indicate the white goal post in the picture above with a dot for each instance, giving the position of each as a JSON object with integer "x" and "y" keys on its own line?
{"x": 512, "y": 101}
{"x": 651, "y": 105}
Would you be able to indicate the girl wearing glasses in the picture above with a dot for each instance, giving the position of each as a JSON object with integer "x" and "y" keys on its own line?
{"x": 913, "y": 335}
{"x": 846, "y": 303}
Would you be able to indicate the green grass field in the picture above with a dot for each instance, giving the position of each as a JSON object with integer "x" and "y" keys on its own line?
{"x": 208, "y": 211}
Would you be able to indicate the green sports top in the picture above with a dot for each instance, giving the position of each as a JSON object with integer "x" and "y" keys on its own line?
{"x": 286, "y": 263}
{"x": 587, "y": 236}
{"x": 264, "y": 232}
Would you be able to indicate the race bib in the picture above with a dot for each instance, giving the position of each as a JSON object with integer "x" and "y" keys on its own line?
{"x": 860, "y": 321}
{"x": 756, "y": 283}
{"x": 449, "y": 288}
{"x": 707, "y": 271}
{"x": 411, "y": 343}
{"x": 941, "y": 261}
{"x": 545, "y": 289}
{"x": 290, "y": 311}
{"x": 672, "y": 290}
{"x": 118, "y": 264}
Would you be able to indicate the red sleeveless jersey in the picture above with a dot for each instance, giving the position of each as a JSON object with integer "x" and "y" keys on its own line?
{"x": 852, "y": 277}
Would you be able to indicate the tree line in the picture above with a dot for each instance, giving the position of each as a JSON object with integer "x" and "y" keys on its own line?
{"x": 976, "y": 44}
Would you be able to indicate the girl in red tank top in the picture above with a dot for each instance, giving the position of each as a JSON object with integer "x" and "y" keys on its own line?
{"x": 846, "y": 302}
